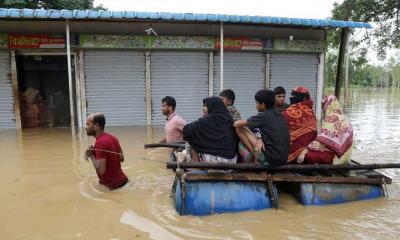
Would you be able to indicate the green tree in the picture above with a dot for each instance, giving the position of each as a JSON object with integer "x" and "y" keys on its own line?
{"x": 365, "y": 74}
{"x": 330, "y": 68}
{"x": 393, "y": 69}
{"x": 385, "y": 14}
{"x": 50, "y": 4}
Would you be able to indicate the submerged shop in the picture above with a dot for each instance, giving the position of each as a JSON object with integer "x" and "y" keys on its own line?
{"x": 58, "y": 66}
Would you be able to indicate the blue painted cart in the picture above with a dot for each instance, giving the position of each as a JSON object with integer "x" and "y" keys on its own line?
{"x": 201, "y": 193}
{"x": 204, "y": 193}
{"x": 331, "y": 193}
{"x": 334, "y": 193}
{"x": 337, "y": 187}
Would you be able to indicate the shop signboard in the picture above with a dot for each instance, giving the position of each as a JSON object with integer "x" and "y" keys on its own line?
{"x": 240, "y": 43}
{"x": 16, "y": 41}
{"x": 143, "y": 42}
{"x": 182, "y": 42}
{"x": 198, "y": 42}
{"x": 113, "y": 41}
{"x": 299, "y": 45}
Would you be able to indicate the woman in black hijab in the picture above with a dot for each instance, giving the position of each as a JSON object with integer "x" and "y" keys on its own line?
{"x": 213, "y": 136}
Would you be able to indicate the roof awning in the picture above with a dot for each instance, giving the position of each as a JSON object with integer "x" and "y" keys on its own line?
{"x": 178, "y": 17}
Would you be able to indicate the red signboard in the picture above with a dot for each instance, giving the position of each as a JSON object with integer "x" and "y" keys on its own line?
{"x": 36, "y": 41}
{"x": 241, "y": 44}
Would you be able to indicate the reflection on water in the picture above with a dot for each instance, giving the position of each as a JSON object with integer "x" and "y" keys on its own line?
{"x": 50, "y": 192}
{"x": 143, "y": 224}
{"x": 375, "y": 115}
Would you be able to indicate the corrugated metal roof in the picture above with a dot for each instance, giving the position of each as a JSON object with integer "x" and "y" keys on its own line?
{"x": 184, "y": 17}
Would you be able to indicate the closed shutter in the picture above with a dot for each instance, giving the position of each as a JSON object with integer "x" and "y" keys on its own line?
{"x": 182, "y": 75}
{"x": 244, "y": 73}
{"x": 291, "y": 70}
{"x": 7, "y": 116}
{"x": 115, "y": 85}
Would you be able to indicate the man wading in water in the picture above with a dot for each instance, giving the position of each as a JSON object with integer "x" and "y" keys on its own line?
{"x": 106, "y": 155}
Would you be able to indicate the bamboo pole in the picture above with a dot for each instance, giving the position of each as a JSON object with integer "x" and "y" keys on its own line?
{"x": 14, "y": 81}
{"x": 339, "y": 72}
{"x": 70, "y": 84}
{"x": 320, "y": 85}
{"x": 77, "y": 90}
{"x": 82, "y": 87}
{"x": 148, "y": 87}
{"x": 167, "y": 145}
{"x": 346, "y": 75}
{"x": 289, "y": 167}
{"x": 262, "y": 177}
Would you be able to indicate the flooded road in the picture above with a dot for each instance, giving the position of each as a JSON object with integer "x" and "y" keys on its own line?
{"x": 48, "y": 191}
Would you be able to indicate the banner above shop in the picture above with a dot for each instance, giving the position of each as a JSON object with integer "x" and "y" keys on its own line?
{"x": 3, "y": 40}
{"x": 113, "y": 41}
{"x": 17, "y": 41}
{"x": 182, "y": 42}
{"x": 299, "y": 45}
{"x": 199, "y": 43}
{"x": 240, "y": 43}
{"x": 57, "y": 41}
{"x": 146, "y": 42}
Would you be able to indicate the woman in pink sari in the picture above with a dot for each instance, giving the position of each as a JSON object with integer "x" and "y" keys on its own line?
{"x": 334, "y": 140}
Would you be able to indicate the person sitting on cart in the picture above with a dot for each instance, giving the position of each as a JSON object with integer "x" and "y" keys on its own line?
{"x": 228, "y": 97}
{"x": 271, "y": 148}
{"x": 334, "y": 140}
{"x": 280, "y": 94}
{"x": 212, "y": 137}
{"x": 301, "y": 121}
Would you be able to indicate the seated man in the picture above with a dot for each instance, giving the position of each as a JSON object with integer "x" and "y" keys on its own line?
{"x": 279, "y": 93}
{"x": 174, "y": 124}
{"x": 212, "y": 137}
{"x": 106, "y": 155}
{"x": 272, "y": 148}
{"x": 228, "y": 97}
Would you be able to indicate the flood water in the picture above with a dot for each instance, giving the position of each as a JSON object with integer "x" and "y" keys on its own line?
{"x": 48, "y": 191}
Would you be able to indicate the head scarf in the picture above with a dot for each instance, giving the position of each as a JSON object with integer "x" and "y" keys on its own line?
{"x": 336, "y": 131}
{"x": 330, "y": 104}
{"x": 299, "y": 94}
{"x": 214, "y": 133}
{"x": 301, "y": 89}
{"x": 216, "y": 106}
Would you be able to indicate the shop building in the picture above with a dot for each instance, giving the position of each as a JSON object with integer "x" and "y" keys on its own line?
{"x": 57, "y": 66}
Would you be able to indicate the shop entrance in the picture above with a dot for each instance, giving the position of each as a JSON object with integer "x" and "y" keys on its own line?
{"x": 43, "y": 91}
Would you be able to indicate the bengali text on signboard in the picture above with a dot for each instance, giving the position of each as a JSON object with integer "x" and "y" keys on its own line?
{"x": 36, "y": 41}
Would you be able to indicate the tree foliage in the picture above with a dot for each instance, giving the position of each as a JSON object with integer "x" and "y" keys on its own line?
{"x": 50, "y": 4}
{"x": 366, "y": 74}
{"x": 385, "y": 14}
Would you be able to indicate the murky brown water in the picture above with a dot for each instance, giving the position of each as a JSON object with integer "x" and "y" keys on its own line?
{"x": 49, "y": 192}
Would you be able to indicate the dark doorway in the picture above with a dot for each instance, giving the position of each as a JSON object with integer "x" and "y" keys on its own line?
{"x": 43, "y": 89}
